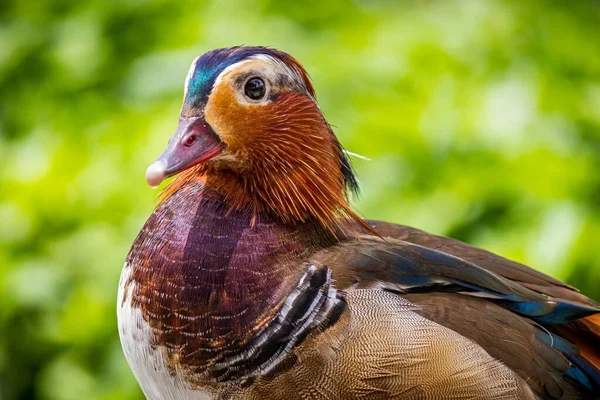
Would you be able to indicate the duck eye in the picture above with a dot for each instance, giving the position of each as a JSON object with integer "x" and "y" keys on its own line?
{"x": 255, "y": 88}
{"x": 190, "y": 140}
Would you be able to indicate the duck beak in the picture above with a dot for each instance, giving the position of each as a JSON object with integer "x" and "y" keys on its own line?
{"x": 193, "y": 143}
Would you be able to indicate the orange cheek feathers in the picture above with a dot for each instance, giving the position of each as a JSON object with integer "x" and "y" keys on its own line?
{"x": 294, "y": 160}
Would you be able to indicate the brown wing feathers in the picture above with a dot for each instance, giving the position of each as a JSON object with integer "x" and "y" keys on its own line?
{"x": 505, "y": 336}
{"x": 502, "y": 321}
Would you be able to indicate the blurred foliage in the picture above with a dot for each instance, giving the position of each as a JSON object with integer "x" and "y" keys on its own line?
{"x": 481, "y": 119}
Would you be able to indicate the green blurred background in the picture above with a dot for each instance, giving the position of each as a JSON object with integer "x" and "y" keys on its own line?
{"x": 481, "y": 119}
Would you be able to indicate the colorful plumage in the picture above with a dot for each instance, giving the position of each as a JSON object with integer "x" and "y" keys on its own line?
{"x": 253, "y": 278}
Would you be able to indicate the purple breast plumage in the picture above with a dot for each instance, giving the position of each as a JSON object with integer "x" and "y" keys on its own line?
{"x": 202, "y": 281}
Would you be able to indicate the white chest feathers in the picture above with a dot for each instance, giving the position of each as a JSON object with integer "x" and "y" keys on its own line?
{"x": 147, "y": 361}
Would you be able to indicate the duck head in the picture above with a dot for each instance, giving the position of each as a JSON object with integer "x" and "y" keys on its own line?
{"x": 251, "y": 130}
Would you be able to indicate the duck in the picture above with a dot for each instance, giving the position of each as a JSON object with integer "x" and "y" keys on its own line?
{"x": 253, "y": 278}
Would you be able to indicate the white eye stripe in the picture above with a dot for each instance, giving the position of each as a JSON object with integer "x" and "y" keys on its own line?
{"x": 228, "y": 69}
{"x": 270, "y": 73}
{"x": 282, "y": 68}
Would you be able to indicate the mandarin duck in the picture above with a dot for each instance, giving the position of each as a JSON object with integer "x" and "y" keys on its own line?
{"x": 254, "y": 279}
